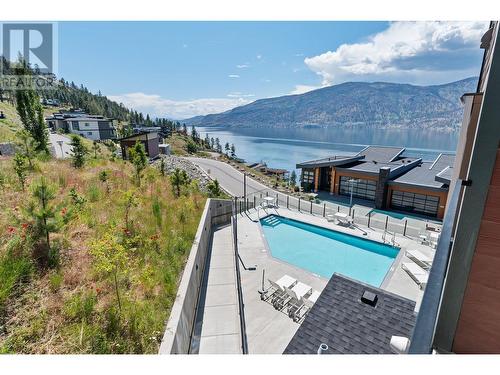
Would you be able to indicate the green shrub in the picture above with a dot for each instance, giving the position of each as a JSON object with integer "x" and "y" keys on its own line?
{"x": 55, "y": 281}
{"x": 80, "y": 306}
{"x": 93, "y": 193}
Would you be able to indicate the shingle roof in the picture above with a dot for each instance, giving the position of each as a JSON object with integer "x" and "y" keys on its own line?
{"x": 425, "y": 174}
{"x": 349, "y": 326}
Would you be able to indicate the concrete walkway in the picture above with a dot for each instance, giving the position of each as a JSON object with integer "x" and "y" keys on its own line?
{"x": 218, "y": 321}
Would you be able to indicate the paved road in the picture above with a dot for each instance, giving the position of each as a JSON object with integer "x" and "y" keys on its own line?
{"x": 232, "y": 181}
{"x": 230, "y": 178}
{"x": 55, "y": 139}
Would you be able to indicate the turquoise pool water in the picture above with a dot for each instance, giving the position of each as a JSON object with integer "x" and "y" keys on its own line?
{"x": 323, "y": 251}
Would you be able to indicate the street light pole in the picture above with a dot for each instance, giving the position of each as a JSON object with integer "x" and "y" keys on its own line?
{"x": 244, "y": 185}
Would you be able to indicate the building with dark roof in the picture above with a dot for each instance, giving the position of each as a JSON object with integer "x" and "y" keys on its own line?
{"x": 385, "y": 176}
{"x": 150, "y": 140}
{"x": 353, "y": 318}
{"x": 77, "y": 121}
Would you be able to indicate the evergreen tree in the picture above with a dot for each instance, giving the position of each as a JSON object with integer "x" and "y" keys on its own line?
{"x": 178, "y": 179}
{"x": 79, "y": 151}
{"x": 95, "y": 148}
{"x": 139, "y": 159}
{"x": 30, "y": 111}
{"x": 227, "y": 148}
{"x": 28, "y": 145}
{"x": 293, "y": 178}
{"x": 41, "y": 210}
{"x": 20, "y": 168}
{"x": 233, "y": 150}
{"x": 184, "y": 129}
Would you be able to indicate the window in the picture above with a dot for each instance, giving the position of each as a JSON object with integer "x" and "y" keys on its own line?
{"x": 89, "y": 133}
{"x": 307, "y": 179}
{"x": 308, "y": 176}
{"x": 364, "y": 189}
{"x": 413, "y": 202}
{"x": 87, "y": 124}
{"x": 75, "y": 125}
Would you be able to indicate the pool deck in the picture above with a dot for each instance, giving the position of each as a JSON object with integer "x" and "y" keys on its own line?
{"x": 269, "y": 330}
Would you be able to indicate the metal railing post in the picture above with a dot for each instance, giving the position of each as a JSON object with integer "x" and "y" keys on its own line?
{"x": 299, "y": 204}
{"x": 369, "y": 217}
{"x": 324, "y": 209}
{"x": 287, "y": 201}
{"x": 404, "y": 230}
{"x": 386, "y": 222}
{"x": 254, "y": 201}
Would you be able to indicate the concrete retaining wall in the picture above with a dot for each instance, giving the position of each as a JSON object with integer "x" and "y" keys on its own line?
{"x": 177, "y": 336}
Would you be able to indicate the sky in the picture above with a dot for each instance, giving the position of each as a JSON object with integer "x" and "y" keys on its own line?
{"x": 183, "y": 69}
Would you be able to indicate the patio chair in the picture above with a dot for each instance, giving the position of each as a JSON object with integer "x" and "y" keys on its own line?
{"x": 278, "y": 288}
{"x": 298, "y": 311}
{"x": 292, "y": 295}
{"x": 418, "y": 274}
{"x": 421, "y": 259}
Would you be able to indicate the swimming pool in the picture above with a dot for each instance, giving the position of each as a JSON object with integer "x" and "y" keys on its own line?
{"x": 323, "y": 251}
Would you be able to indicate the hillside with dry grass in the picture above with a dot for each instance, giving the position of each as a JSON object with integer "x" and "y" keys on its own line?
{"x": 108, "y": 279}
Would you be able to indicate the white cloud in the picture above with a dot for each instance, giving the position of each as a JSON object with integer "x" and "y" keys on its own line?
{"x": 157, "y": 106}
{"x": 258, "y": 57}
{"x": 233, "y": 76}
{"x": 406, "y": 51}
{"x": 238, "y": 94}
{"x": 301, "y": 89}
{"x": 243, "y": 66}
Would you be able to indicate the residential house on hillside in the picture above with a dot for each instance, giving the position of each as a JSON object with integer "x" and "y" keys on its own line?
{"x": 77, "y": 121}
{"x": 385, "y": 176}
{"x": 151, "y": 142}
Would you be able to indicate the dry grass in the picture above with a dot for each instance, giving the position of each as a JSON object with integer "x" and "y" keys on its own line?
{"x": 72, "y": 308}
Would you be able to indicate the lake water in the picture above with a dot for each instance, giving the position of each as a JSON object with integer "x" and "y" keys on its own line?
{"x": 284, "y": 148}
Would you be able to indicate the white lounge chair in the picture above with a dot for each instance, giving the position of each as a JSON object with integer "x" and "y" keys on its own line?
{"x": 342, "y": 219}
{"x": 292, "y": 295}
{"x": 418, "y": 274}
{"x": 298, "y": 311}
{"x": 277, "y": 289}
{"x": 421, "y": 259}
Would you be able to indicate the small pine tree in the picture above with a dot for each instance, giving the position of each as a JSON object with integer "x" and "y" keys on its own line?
{"x": 20, "y": 168}
{"x": 95, "y": 148}
{"x": 103, "y": 177}
{"x": 139, "y": 159}
{"x": 79, "y": 151}
{"x": 178, "y": 179}
{"x": 293, "y": 178}
{"x": 41, "y": 210}
{"x": 214, "y": 189}
{"x": 233, "y": 151}
{"x": 227, "y": 148}
{"x": 28, "y": 145}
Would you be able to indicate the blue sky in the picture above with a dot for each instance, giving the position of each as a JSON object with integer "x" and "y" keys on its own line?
{"x": 182, "y": 69}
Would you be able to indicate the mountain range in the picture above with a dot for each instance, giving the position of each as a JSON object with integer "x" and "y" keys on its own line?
{"x": 377, "y": 104}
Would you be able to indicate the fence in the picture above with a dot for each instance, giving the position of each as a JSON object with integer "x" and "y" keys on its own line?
{"x": 362, "y": 216}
